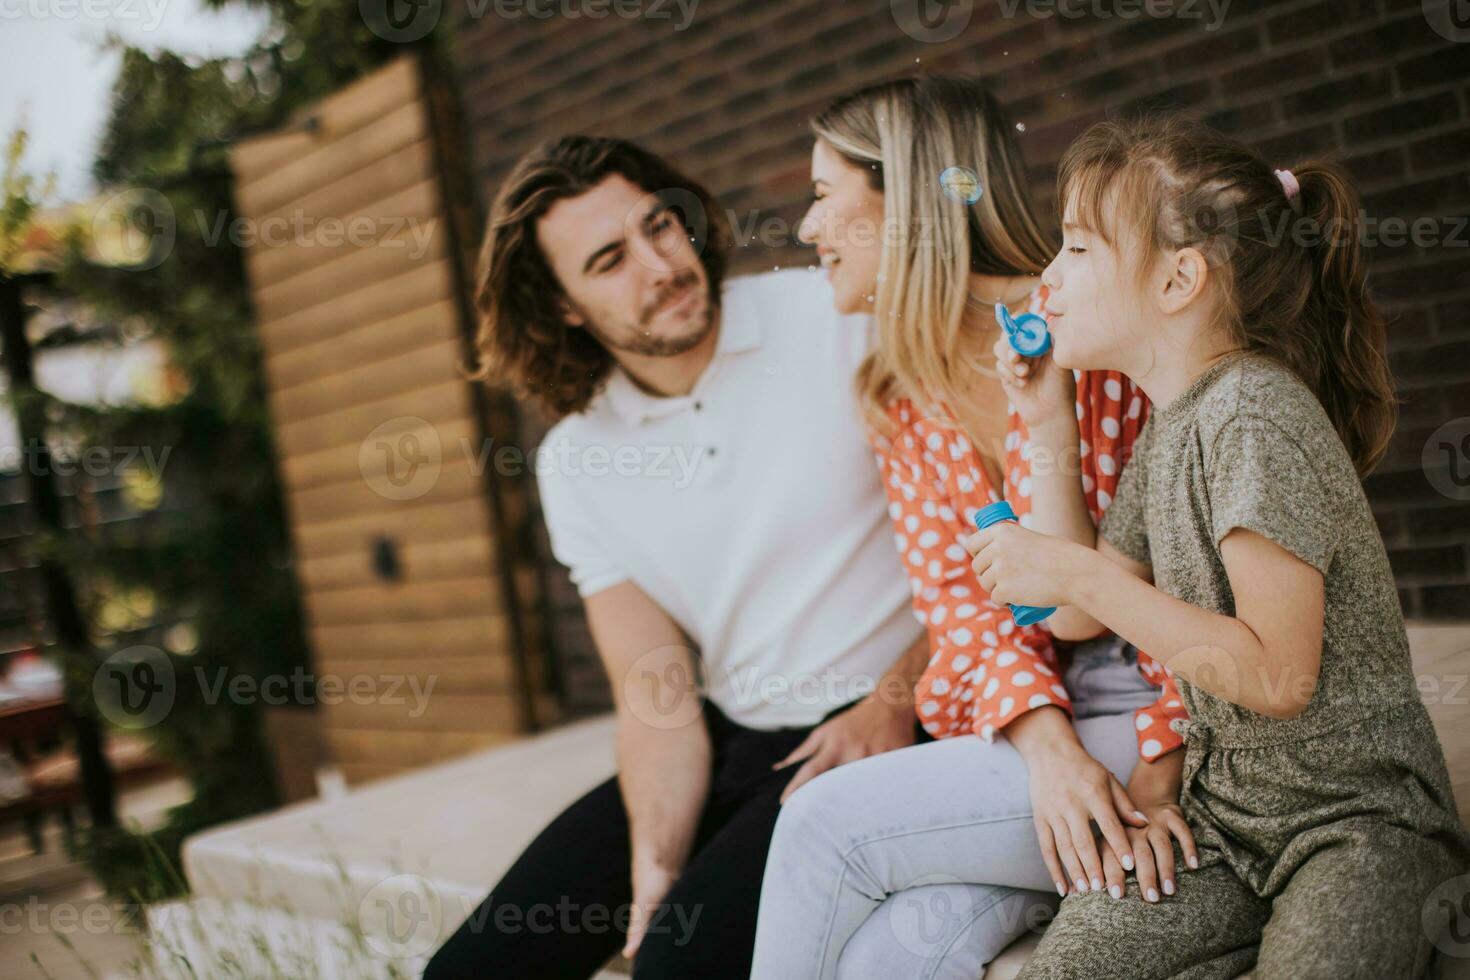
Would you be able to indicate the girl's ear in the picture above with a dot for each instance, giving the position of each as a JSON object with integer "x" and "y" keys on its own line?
{"x": 1185, "y": 274}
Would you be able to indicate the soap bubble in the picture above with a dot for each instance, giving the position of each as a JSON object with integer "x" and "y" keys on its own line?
{"x": 960, "y": 184}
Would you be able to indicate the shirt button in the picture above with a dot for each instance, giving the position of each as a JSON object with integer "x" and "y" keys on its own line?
{"x": 698, "y": 406}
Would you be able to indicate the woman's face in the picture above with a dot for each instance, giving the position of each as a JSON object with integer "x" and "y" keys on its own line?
{"x": 845, "y": 223}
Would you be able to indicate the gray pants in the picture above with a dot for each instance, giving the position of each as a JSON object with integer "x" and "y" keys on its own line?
{"x": 1336, "y": 857}
{"x": 923, "y": 862}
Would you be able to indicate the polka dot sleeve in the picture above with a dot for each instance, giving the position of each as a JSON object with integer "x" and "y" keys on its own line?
{"x": 1156, "y": 737}
{"x": 984, "y": 671}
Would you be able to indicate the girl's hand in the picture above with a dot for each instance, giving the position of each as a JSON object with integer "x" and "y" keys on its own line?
{"x": 1019, "y": 566}
{"x": 1152, "y": 848}
{"x": 1039, "y": 389}
{"x": 1069, "y": 791}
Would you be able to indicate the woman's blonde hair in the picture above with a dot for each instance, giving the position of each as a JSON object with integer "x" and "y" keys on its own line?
{"x": 905, "y": 134}
{"x": 1172, "y": 182}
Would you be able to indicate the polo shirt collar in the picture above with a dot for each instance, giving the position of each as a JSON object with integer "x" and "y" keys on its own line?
{"x": 740, "y": 330}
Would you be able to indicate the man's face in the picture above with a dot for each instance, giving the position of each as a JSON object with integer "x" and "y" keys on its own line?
{"x": 631, "y": 276}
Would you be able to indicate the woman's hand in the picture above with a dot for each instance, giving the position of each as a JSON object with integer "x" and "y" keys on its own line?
{"x": 1069, "y": 791}
{"x": 1039, "y": 389}
{"x": 1152, "y": 848}
{"x": 1019, "y": 566}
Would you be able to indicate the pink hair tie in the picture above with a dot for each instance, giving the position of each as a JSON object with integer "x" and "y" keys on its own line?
{"x": 1289, "y": 185}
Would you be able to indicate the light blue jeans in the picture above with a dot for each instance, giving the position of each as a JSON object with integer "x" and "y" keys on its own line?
{"x": 923, "y": 862}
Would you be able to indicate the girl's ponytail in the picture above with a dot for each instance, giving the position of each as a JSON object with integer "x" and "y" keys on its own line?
{"x": 1354, "y": 382}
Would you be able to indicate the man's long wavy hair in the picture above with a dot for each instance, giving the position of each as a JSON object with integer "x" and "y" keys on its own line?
{"x": 523, "y": 340}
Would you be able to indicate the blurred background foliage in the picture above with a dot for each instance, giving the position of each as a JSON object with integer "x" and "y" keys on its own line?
{"x": 208, "y": 581}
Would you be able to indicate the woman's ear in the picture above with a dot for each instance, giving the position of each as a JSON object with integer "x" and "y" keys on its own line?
{"x": 569, "y": 313}
{"x": 1184, "y": 276}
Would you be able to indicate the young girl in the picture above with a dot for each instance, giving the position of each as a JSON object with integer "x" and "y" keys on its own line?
{"x": 1314, "y": 783}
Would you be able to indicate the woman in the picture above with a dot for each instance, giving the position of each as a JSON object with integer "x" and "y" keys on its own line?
{"x": 925, "y": 861}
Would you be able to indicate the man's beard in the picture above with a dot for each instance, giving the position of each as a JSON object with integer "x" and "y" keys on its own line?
{"x": 642, "y": 343}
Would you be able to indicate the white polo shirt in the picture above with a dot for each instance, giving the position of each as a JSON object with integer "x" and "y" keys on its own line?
{"x": 750, "y": 509}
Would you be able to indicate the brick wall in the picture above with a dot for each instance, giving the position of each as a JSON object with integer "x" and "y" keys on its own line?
{"x": 1370, "y": 82}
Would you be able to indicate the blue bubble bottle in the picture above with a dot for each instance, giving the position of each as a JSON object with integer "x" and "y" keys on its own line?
{"x": 1027, "y": 333}
{"x": 994, "y": 514}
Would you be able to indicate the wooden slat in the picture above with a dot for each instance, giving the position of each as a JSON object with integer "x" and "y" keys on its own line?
{"x": 355, "y": 106}
{"x": 350, "y": 426}
{"x": 333, "y": 160}
{"x": 402, "y": 234}
{"x": 374, "y": 749}
{"x": 418, "y": 562}
{"x": 346, "y": 463}
{"x": 485, "y": 673}
{"x": 396, "y": 171}
{"x": 431, "y": 522}
{"x": 372, "y": 302}
{"x": 425, "y": 601}
{"x": 353, "y": 267}
{"x": 370, "y": 383}
{"x": 483, "y": 634}
{"x": 372, "y": 343}
{"x": 467, "y": 713}
{"x": 356, "y": 774}
{"x": 454, "y": 481}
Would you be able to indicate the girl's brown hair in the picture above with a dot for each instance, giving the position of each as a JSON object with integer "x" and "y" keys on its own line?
{"x": 905, "y": 133}
{"x": 523, "y": 339}
{"x": 1291, "y": 271}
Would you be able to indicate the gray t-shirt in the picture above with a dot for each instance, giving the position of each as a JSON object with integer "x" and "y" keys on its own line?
{"x": 1247, "y": 445}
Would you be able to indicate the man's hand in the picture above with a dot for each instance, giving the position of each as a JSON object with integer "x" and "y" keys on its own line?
{"x": 865, "y": 729}
{"x": 651, "y": 884}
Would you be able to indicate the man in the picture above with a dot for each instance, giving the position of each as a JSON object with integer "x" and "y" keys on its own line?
{"x": 713, "y": 493}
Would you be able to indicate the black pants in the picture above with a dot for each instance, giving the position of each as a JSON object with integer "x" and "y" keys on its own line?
{"x": 561, "y": 911}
